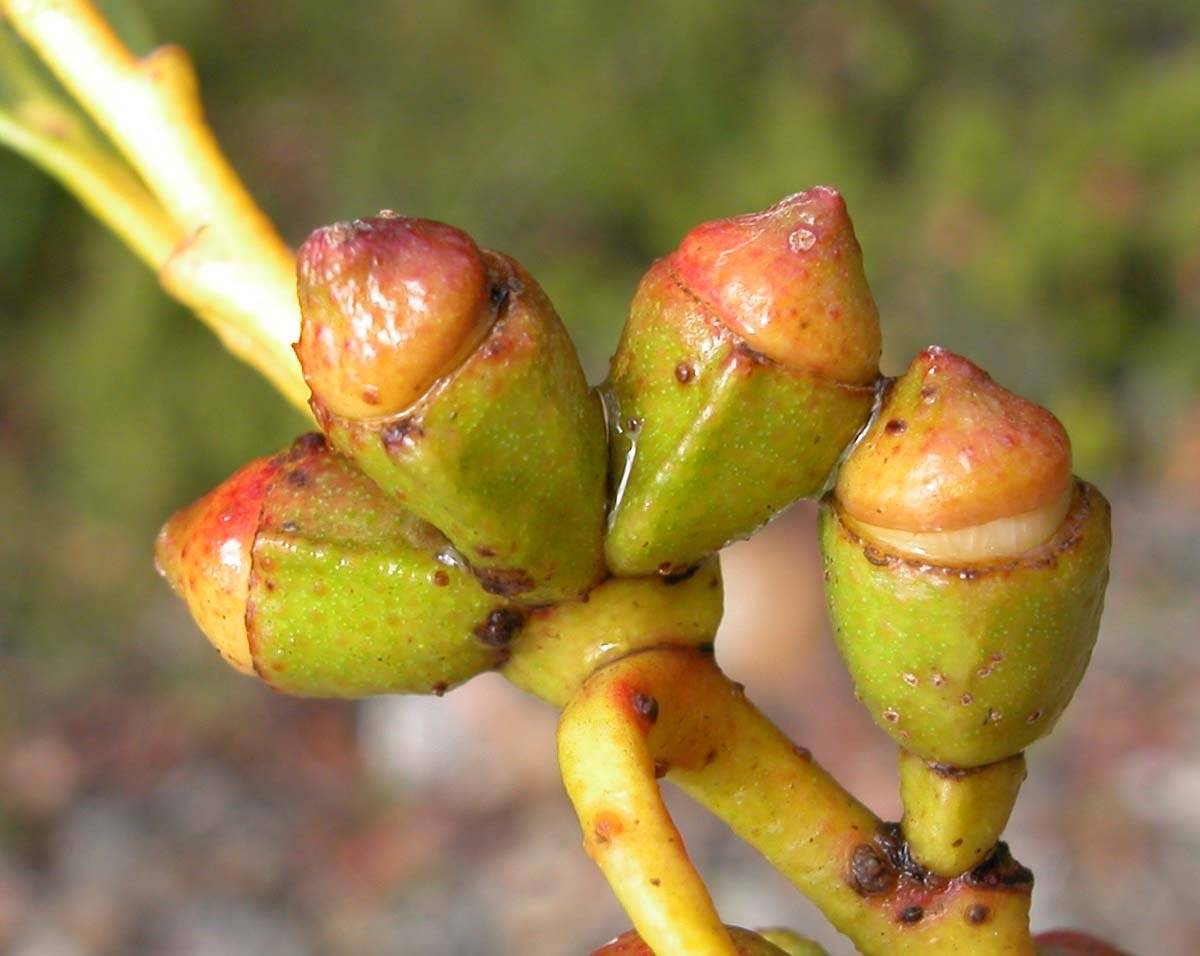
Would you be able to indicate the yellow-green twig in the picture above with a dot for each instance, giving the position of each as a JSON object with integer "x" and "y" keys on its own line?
{"x": 231, "y": 266}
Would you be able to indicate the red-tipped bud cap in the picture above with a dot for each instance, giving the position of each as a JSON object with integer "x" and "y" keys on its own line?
{"x": 204, "y": 552}
{"x": 388, "y": 306}
{"x": 790, "y": 281}
{"x": 950, "y": 449}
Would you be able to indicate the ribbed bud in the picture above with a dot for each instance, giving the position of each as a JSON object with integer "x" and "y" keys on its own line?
{"x": 301, "y": 570}
{"x": 504, "y": 452}
{"x": 965, "y": 567}
{"x": 746, "y": 366}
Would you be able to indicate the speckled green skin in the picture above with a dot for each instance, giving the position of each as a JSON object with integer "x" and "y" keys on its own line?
{"x": 709, "y": 439}
{"x": 505, "y": 455}
{"x": 968, "y": 666}
{"x": 351, "y": 595}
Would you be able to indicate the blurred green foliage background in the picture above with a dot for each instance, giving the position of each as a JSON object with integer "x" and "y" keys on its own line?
{"x": 1024, "y": 179}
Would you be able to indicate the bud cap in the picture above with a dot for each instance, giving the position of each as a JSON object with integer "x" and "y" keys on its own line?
{"x": 388, "y": 305}
{"x": 789, "y": 280}
{"x": 951, "y": 449}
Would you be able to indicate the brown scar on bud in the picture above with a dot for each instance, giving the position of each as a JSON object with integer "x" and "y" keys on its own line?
{"x": 499, "y": 627}
{"x": 401, "y": 435}
{"x": 505, "y": 582}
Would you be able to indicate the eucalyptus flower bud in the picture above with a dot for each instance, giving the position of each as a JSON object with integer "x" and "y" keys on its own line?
{"x": 965, "y": 568}
{"x": 445, "y": 373}
{"x": 746, "y": 366}
{"x": 301, "y": 570}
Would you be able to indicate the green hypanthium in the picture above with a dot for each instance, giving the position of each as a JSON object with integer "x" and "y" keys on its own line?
{"x": 474, "y": 505}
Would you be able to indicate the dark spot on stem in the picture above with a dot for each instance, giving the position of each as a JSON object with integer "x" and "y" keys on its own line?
{"x": 646, "y": 706}
{"x": 439, "y": 689}
{"x": 911, "y": 914}
{"x": 870, "y": 870}
{"x": 896, "y": 426}
{"x": 684, "y": 372}
{"x": 978, "y": 914}
{"x": 661, "y": 769}
{"x": 441, "y": 579}
{"x": 297, "y": 478}
{"x": 1000, "y": 869}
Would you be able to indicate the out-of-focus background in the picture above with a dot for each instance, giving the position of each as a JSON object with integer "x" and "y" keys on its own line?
{"x": 1025, "y": 182}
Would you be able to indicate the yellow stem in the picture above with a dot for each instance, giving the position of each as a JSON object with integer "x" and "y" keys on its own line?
{"x": 716, "y": 746}
{"x": 232, "y": 267}
{"x": 609, "y": 773}
{"x": 101, "y": 180}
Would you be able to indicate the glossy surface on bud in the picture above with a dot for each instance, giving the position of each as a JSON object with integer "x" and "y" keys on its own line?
{"x": 505, "y": 453}
{"x": 204, "y": 552}
{"x": 389, "y": 305}
{"x": 711, "y": 435}
{"x": 789, "y": 281}
{"x": 747, "y": 943}
{"x": 345, "y": 594}
{"x": 951, "y": 449}
{"x": 968, "y": 665}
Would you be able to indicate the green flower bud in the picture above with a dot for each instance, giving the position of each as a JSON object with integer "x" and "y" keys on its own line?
{"x": 487, "y": 429}
{"x": 745, "y": 368}
{"x": 965, "y": 641}
{"x": 300, "y": 569}
{"x": 746, "y": 942}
